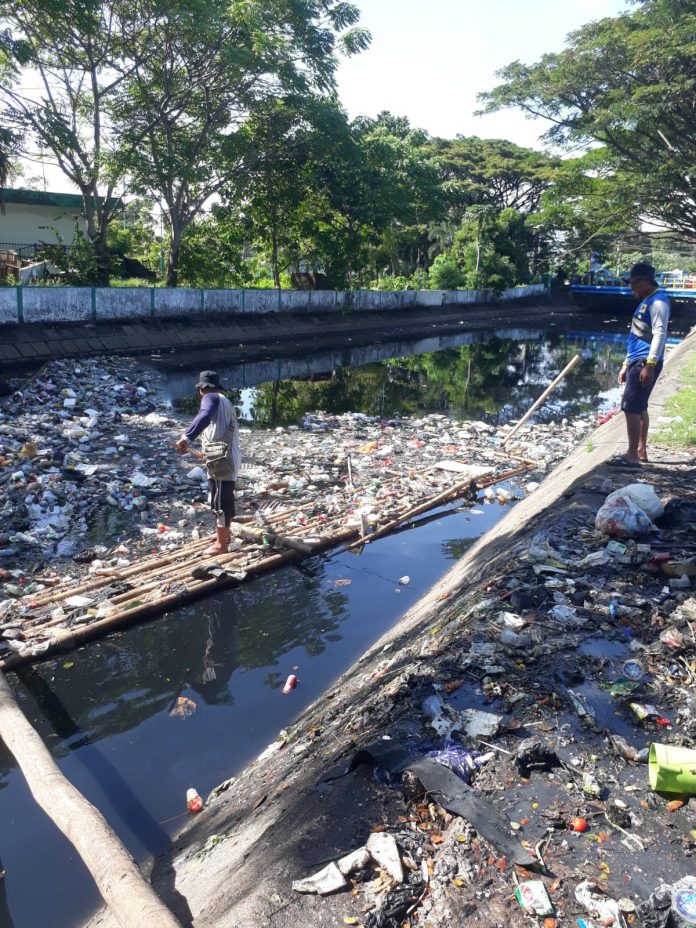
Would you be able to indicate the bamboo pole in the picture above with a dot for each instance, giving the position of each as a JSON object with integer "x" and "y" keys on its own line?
{"x": 457, "y": 490}
{"x": 51, "y": 597}
{"x": 65, "y": 639}
{"x": 129, "y": 896}
{"x": 547, "y": 392}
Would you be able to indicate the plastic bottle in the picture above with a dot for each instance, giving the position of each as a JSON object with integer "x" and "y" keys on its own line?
{"x": 290, "y": 683}
{"x": 683, "y": 909}
{"x": 194, "y": 802}
{"x": 614, "y": 608}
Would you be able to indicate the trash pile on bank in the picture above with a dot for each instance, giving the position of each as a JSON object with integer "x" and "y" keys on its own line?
{"x": 90, "y": 481}
{"x": 559, "y": 702}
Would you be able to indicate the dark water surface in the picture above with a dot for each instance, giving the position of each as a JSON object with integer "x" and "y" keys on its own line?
{"x": 463, "y": 376}
{"x": 104, "y": 710}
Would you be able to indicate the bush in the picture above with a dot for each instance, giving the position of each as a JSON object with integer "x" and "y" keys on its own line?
{"x": 445, "y": 274}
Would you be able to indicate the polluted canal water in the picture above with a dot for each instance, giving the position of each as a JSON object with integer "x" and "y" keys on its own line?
{"x": 137, "y": 719}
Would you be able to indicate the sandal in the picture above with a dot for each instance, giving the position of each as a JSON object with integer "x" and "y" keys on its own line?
{"x": 622, "y": 461}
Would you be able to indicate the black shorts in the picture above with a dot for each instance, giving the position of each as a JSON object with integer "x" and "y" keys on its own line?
{"x": 635, "y": 396}
{"x": 222, "y": 498}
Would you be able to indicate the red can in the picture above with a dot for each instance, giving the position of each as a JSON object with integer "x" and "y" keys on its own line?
{"x": 290, "y": 683}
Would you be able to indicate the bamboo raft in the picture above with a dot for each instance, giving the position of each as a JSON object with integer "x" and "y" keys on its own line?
{"x": 116, "y": 598}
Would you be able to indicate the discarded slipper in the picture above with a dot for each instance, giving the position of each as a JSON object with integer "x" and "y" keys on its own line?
{"x": 205, "y": 571}
{"x": 622, "y": 461}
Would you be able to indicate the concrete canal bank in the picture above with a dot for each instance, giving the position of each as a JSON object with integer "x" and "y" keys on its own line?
{"x": 582, "y": 611}
{"x": 79, "y": 329}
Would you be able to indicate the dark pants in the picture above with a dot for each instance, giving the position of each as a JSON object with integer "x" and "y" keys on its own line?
{"x": 635, "y": 396}
{"x": 222, "y": 500}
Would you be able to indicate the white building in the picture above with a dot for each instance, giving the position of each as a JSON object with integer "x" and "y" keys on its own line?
{"x": 32, "y": 217}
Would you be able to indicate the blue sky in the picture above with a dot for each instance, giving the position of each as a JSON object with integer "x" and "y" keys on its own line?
{"x": 428, "y": 60}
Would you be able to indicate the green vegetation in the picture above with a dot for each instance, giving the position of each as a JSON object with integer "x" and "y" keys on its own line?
{"x": 682, "y": 434}
{"x": 627, "y": 84}
{"x": 208, "y": 143}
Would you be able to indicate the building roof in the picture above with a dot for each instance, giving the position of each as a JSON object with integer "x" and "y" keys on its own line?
{"x": 26, "y": 197}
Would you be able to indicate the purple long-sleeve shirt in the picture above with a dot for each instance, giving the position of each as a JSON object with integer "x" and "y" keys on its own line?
{"x": 206, "y": 414}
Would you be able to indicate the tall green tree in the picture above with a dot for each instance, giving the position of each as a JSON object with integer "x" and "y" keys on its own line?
{"x": 208, "y": 65}
{"x": 77, "y": 54}
{"x": 492, "y": 172}
{"x": 629, "y": 84}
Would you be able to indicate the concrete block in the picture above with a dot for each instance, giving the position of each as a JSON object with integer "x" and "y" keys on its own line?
{"x": 430, "y": 297}
{"x": 295, "y": 301}
{"x": 223, "y": 301}
{"x": 261, "y": 301}
{"x": 322, "y": 300}
{"x": 57, "y": 304}
{"x": 344, "y": 300}
{"x": 123, "y": 302}
{"x": 8, "y": 305}
{"x": 260, "y": 372}
{"x": 175, "y": 302}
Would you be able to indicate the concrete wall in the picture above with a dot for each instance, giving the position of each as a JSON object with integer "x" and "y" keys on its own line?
{"x": 75, "y": 304}
{"x": 57, "y": 304}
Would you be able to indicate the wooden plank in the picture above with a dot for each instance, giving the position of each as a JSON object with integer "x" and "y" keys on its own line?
{"x": 124, "y": 889}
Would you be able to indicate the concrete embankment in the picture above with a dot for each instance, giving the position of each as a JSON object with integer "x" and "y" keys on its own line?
{"x": 282, "y": 818}
{"x": 250, "y": 336}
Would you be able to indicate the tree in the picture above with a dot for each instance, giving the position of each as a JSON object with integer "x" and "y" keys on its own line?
{"x": 627, "y": 83}
{"x": 78, "y": 53}
{"x": 207, "y": 66}
{"x": 487, "y": 251}
{"x": 477, "y": 171}
{"x": 585, "y": 208}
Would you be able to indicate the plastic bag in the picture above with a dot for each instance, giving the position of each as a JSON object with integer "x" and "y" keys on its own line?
{"x": 622, "y": 518}
{"x": 641, "y": 495}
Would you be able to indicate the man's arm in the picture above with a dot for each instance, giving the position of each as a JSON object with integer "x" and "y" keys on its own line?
{"x": 659, "y": 319}
{"x": 206, "y": 414}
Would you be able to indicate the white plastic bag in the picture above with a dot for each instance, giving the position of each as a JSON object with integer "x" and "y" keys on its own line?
{"x": 621, "y": 518}
{"x": 641, "y": 495}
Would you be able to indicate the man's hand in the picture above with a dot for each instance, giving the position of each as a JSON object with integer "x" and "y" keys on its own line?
{"x": 622, "y": 375}
{"x": 647, "y": 373}
{"x": 181, "y": 445}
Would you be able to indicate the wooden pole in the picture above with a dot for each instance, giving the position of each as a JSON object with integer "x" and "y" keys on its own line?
{"x": 127, "y": 893}
{"x": 453, "y": 492}
{"x": 547, "y": 392}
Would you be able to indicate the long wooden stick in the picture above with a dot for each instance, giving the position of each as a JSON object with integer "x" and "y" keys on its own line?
{"x": 127, "y": 893}
{"x": 547, "y": 392}
{"x": 453, "y": 492}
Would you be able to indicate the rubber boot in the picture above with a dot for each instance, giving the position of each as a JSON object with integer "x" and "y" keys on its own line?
{"x": 222, "y": 542}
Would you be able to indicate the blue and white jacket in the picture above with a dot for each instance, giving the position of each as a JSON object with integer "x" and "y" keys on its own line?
{"x": 649, "y": 329}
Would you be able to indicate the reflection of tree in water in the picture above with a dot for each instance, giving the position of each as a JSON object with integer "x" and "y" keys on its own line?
{"x": 494, "y": 381}
{"x": 114, "y": 686}
{"x": 292, "y": 612}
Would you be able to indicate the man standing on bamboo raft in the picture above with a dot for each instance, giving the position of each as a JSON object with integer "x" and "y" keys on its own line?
{"x": 217, "y": 426}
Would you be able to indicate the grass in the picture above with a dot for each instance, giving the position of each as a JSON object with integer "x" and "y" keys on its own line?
{"x": 682, "y": 434}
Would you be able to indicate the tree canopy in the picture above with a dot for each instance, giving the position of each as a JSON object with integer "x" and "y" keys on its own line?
{"x": 627, "y": 83}
{"x": 222, "y": 116}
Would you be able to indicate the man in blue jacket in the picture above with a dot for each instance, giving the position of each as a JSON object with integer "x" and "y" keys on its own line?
{"x": 644, "y": 358}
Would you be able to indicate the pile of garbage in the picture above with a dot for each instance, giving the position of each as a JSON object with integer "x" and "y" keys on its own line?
{"x": 88, "y": 474}
{"x": 561, "y": 697}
